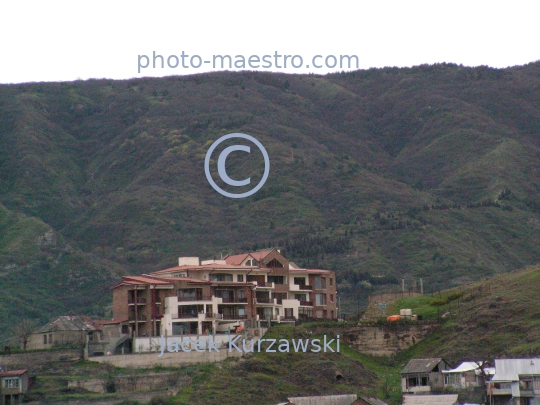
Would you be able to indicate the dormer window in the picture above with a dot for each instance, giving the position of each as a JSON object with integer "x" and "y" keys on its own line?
{"x": 251, "y": 262}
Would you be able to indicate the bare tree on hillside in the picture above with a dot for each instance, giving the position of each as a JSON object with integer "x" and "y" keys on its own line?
{"x": 482, "y": 365}
{"x": 22, "y": 330}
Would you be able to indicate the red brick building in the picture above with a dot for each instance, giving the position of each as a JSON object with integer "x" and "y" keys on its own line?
{"x": 217, "y": 295}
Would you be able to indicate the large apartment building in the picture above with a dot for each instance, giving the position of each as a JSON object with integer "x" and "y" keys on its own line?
{"x": 210, "y": 296}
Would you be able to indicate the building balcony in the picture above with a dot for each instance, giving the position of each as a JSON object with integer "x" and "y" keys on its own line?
{"x": 140, "y": 301}
{"x": 228, "y": 300}
{"x": 266, "y": 301}
{"x": 301, "y": 287}
{"x": 140, "y": 318}
{"x": 528, "y": 392}
{"x": 263, "y": 285}
{"x": 306, "y": 303}
{"x": 500, "y": 391}
{"x": 234, "y": 317}
{"x": 182, "y": 299}
{"x": 213, "y": 316}
{"x": 187, "y": 316}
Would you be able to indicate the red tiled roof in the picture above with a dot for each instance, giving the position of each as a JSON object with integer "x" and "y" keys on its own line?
{"x": 209, "y": 266}
{"x": 13, "y": 373}
{"x": 261, "y": 255}
{"x": 238, "y": 259}
{"x": 100, "y": 322}
{"x": 188, "y": 279}
{"x": 145, "y": 280}
{"x": 231, "y": 284}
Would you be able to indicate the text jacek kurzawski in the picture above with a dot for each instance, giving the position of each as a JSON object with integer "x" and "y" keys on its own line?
{"x": 172, "y": 345}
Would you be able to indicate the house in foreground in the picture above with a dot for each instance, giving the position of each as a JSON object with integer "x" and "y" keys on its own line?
{"x": 62, "y": 330}
{"x": 423, "y": 375}
{"x": 100, "y": 337}
{"x": 211, "y": 296}
{"x": 469, "y": 374}
{"x": 515, "y": 382}
{"x": 13, "y": 385}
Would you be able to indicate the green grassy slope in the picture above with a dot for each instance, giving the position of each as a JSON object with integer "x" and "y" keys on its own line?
{"x": 426, "y": 172}
{"x": 496, "y": 317}
{"x": 42, "y": 275}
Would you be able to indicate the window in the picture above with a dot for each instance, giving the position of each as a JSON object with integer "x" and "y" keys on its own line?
{"x": 240, "y": 278}
{"x": 331, "y": 297}
{"x": 221, "y": 277}
{"x": 190, "y": 294}
{"x": 331, "y": 282}
{"x": 276, "y": 279}
{"x": 320, "y": 283}
{"x": 274, "y": 263}
{"x": 50, "y": 338}
{"x": 242, "y": 311}
{"x": 319, "y": 313}
{"x": 320, "y": 299}
{"x": 241, "y": 294}
{"x": 181, "y": 275}
{"x": 300, "y": 297}
{"x": 299, "y": 281}
{"x": 252, "y": 262}
{"x": 226, "y": 295}
{"x": 11, "y": 383}
{"x": 288, "y": 312}
{"x": 44, "y": 339}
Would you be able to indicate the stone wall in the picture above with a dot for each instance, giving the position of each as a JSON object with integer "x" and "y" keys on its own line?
{"x": 131, "y": 383}
{"x": 381, "y": 340}
{"x": 387, "y": 340}
{"x": 179, "y": 359}
{"x": 36, "y": 359}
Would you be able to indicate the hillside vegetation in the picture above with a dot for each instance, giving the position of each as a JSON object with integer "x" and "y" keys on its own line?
{"x": 431, "y": 171}
{"x": 497, "y": 317}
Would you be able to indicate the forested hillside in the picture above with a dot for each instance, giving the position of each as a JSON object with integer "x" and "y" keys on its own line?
{"x": 431, "y": 171}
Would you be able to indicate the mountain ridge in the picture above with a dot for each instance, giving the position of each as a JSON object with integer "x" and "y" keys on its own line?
{"x": 430, "y": 171}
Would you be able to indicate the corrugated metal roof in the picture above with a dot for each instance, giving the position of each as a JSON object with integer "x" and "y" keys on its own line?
{"x": 324, "y": 400}
{"x": 470, "y": 366}
{"x": 421, "y": 365}
{"x": 450, "y": 399}
{"x": 511, "y": 369}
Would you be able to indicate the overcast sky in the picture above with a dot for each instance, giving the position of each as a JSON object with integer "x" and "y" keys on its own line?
{"x": 69, "y": 40}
